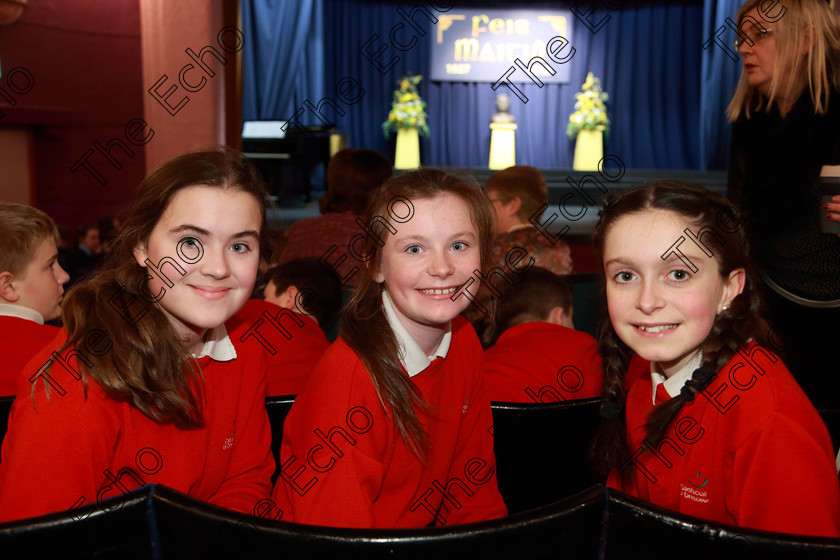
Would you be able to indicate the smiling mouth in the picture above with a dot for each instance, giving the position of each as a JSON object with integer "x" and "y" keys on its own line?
{"x": 656, "y": 328}
{"x": 438, "y": 291}
{"x": 210, "y": 293}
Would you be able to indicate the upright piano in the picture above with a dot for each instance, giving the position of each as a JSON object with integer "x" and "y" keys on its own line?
{"x": 272, "y": 149}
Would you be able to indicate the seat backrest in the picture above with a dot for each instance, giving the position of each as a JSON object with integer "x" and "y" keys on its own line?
{"x": 542, "y": 450}
{"x": 277, "y": 408}
{"x": 831, "y": 417}
{"x": 189, "y": 528}
{"x": 633, "y": 526}
{"x": 5, "y": 410}
{"x": 587, "y": 297}
{"x": 117, "y": 528}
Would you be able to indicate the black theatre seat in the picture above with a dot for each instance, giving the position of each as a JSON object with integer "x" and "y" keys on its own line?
{"x": 277, "y": 409}
{"x": 193, "y": 529}
{"x": 158, "y": 522}
{"x": 118, "y": 528}
{"x": 587, "y": 301}
{"x": 5, "y": 410}
{"x": 542, "y": 450}
{"x": 637, "y": 529}
{"x": 831, "y": 417}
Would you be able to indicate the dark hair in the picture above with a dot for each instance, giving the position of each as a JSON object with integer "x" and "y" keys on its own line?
{"x": 147, "y": 365}
{"x": 82, "y": 231}
{"x": 107, "y": 230}
{"x": 532, "y": 297}
{"x": 319, "y": 287}
{"x": 351, "y": 175}
{"x": 521, "y": 181}
{"x": 364, "y": 326}
{"x": 732, "y": 328}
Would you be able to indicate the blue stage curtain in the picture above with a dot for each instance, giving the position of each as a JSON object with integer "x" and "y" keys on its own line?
{"x": 649, "y": 58}
{"x": 720, "y": 77}
{"x": 282, "y": 58}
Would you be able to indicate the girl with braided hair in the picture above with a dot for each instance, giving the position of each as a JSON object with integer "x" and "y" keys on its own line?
{"x": 719, "y": 429}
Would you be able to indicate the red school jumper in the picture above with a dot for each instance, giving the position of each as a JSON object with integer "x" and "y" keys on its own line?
{"x": 68, "y": 451}
{"x": 345, "y": 465}
{"x": 20, "y": 339}
{"x": 755, "y": 453}
{"x": 293, "y": 359}
{"x": 542, "y": 362}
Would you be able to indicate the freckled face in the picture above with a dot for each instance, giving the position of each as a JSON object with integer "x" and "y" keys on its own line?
{"x": 212, "y": 234}
{"x": 661, "y": 308}
{"x": 427, "y": 260}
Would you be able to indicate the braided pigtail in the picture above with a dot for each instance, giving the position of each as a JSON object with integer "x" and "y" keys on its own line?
{"x": 609, "y": 448}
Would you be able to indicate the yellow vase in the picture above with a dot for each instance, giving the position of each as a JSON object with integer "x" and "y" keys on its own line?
{"x": 408, "y": 149}
{"x": 589, "y": 150}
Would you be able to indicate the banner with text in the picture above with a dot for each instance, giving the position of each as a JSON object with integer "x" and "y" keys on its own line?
{"x": 478, "y": 45}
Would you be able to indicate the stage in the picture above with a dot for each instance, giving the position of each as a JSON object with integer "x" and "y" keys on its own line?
{"x": 577, "y": 189}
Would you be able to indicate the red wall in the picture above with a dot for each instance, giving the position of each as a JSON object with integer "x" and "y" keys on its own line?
{"x": 85, "y": 58}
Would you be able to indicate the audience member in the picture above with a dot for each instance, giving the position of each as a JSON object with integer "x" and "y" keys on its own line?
{"x": 31, "y": 288}
{"x": 785, "y": 136}
{"x": 299, "y": 295}
{"x": 306, "y": 286}
{"x": 539, "y": 357}
{"x": 109, "y": 229}
{"x": 86, "y": 253}
{"x": 145, "y": 382}
{"x": 517, "y": 194}
{"x": 351, "y": 175}
{"x": 719, "y": 428}
{"x": 400, "y": 392}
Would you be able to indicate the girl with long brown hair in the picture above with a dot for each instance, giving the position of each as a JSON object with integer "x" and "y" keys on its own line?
{"x": 391, "y": 429}
{"x": 718, "y": 429}
{"x": 144, "y": 386}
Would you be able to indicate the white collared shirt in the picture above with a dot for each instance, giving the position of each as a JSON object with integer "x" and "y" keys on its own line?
{"x": 21, "y": 312}
{"x": 412, "y": 357}
{"x": 674, "y": 384}
{"x": 217, "y": 345}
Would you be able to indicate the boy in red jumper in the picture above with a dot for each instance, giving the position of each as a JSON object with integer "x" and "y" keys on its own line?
{"x": 539, "y": 357}
{"x": 299, "y": 296}
{"x": 31, "y": 288}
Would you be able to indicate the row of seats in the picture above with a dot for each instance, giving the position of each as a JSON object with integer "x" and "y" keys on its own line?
{"x": 542, "y": 465}
{"x": 542, "y": 450}
{"x": 158, "y": 522}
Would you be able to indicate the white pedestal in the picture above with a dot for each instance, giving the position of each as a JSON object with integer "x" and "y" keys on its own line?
{"x": 502, "y": 145}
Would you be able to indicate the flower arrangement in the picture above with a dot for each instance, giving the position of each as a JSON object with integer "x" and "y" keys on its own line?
{"x": 590, "y": 112}
{"x": 407, "y": 110}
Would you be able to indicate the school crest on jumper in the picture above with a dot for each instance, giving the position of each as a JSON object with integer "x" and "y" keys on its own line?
{"x": 229, "y": 440}
{"x": 696, "y": 490}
